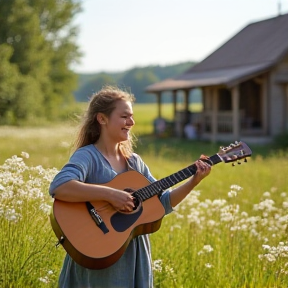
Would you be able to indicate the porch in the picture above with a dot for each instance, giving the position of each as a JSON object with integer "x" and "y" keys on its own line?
{"x": 222, "y": 127}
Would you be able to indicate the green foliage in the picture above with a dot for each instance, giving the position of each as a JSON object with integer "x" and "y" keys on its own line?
{"x": 9, "y": 78}
{"x": 42, "y": 46}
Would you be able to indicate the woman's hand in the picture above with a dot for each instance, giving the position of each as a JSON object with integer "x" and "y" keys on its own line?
{"x": 122, "y": 201}
{"x": 203, "y": 170}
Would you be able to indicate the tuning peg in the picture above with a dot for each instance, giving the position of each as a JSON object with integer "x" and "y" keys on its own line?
{"x": 233, "y": 164}
{"x": 238, "y": 162}
{"x": 245, "y": 160}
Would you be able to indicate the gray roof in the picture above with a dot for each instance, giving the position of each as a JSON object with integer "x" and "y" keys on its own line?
{"x": 251, "y": 52}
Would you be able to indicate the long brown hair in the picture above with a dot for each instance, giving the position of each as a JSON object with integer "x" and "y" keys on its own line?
{"x": 104, "y": 102}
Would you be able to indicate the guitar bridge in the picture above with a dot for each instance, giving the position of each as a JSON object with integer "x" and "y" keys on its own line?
{"x": 96, "y": 218}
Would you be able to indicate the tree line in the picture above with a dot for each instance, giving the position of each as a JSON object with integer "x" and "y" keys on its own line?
{"x": 37, "y": 47}
{"x": 135, "y": 79}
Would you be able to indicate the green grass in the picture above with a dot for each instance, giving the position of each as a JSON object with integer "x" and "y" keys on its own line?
{"x": 213, "y": 239}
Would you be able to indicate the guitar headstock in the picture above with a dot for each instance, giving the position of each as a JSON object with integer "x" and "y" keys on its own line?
{"x": 234, "y": 152}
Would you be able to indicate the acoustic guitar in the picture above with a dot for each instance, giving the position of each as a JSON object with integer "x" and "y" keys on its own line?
{"x": 95, "y": 235}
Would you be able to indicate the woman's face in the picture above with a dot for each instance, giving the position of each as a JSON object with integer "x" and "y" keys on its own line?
{"x": 120, "y": 122}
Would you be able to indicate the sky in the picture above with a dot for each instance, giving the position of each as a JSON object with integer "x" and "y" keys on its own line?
{"x": 116, "y": 35}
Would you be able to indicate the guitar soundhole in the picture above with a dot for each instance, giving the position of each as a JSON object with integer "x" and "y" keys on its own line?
{"x": 135, "y": 200}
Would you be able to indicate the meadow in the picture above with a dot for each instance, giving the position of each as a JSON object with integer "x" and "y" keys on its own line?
{"x": 231, "y": 231}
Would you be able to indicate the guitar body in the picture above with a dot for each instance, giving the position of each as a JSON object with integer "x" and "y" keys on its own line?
{"x": 86, "y": 243}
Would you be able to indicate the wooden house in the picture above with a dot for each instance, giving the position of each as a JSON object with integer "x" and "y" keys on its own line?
{"x": 244, "y": 86}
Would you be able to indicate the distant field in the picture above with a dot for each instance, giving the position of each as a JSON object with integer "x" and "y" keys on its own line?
{"x": 49, "y": 145}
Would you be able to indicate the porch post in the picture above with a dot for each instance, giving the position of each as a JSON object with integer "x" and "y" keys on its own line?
{"x": 235, "y": 113}
{"x": 264, "y": 95}
{"x": 214, "y": 118}
{"x": 174, "y": 95}
{"x": 286, "y": 110}
{"x": 186, "y": 93}
{"x": 158, "y": 94}
{"x": 186, "y": 103}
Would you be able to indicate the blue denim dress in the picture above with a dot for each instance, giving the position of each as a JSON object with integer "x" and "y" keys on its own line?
{"x": 133, "y": 269}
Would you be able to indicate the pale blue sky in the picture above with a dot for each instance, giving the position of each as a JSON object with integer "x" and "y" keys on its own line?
{"x": 116, "y": 35}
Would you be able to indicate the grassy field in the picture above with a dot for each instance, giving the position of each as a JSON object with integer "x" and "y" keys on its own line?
{"x": 230, "y": 232}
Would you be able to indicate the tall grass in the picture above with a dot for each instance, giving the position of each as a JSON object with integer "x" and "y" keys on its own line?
{"x": 231, "y": 231}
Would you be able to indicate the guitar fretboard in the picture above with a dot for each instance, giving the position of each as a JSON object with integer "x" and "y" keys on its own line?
{"x": 156, "y": 188}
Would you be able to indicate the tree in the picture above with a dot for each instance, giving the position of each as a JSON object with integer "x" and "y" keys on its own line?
{"x": 42, "y": 40}
{"x": 9, "y": 77}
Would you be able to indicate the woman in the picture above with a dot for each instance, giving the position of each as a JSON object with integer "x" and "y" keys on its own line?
{"x": 104, "y": 150}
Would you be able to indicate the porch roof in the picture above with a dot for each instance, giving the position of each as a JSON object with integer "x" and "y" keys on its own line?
{"x": 225, "y": 76}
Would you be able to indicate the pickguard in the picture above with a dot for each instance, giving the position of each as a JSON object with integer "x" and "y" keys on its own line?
{"x": 121, "y": 221}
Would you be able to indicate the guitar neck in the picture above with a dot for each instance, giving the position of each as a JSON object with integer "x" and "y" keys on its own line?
{"x": 157, "y": 187}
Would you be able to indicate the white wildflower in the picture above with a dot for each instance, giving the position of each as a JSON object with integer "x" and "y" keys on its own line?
{"x": 208, "y": 265}
{"x": 157, "y": 265}
{"x": 25, "y": 155}
{"x": 266, "y": 194}
{"x": 219, "y": 202}
{"x": 44, "y": 279}
{"x": 232, "y": 194}
{"x": 203, "y": 205}
{"x": 285, "y": 204}
{"x": 45, "y": 208}
{"x": 270, "y": 257}
{"x": 267, "y": 204}
{"x": 244, "y": 214}
{"x": 236, "y": 187}
{"x": 211, "y": 223}
{"x": 266, "y": 247}
{"x": 208, "y": 248}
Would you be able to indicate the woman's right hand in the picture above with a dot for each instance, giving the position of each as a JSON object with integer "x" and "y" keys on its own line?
{"x": 122, "y": 200}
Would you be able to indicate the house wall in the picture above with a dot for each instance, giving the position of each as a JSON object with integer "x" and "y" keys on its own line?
{"x": 277, "y": 98}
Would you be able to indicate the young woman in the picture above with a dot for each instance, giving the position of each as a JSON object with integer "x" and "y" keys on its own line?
{"x": 103, "y": 149}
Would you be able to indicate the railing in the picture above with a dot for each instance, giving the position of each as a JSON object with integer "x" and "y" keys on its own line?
{"x": 203, "y": 122}
{"x": 224, "y": 121}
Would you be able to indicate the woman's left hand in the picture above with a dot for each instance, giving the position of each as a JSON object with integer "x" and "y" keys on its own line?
{"x": 203, "y": 170}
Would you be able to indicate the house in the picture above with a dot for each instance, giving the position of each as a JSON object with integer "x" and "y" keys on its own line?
{"x": 244, "y": 86}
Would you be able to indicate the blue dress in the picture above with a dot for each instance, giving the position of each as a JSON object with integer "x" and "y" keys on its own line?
{"x": 133, "y": 269}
